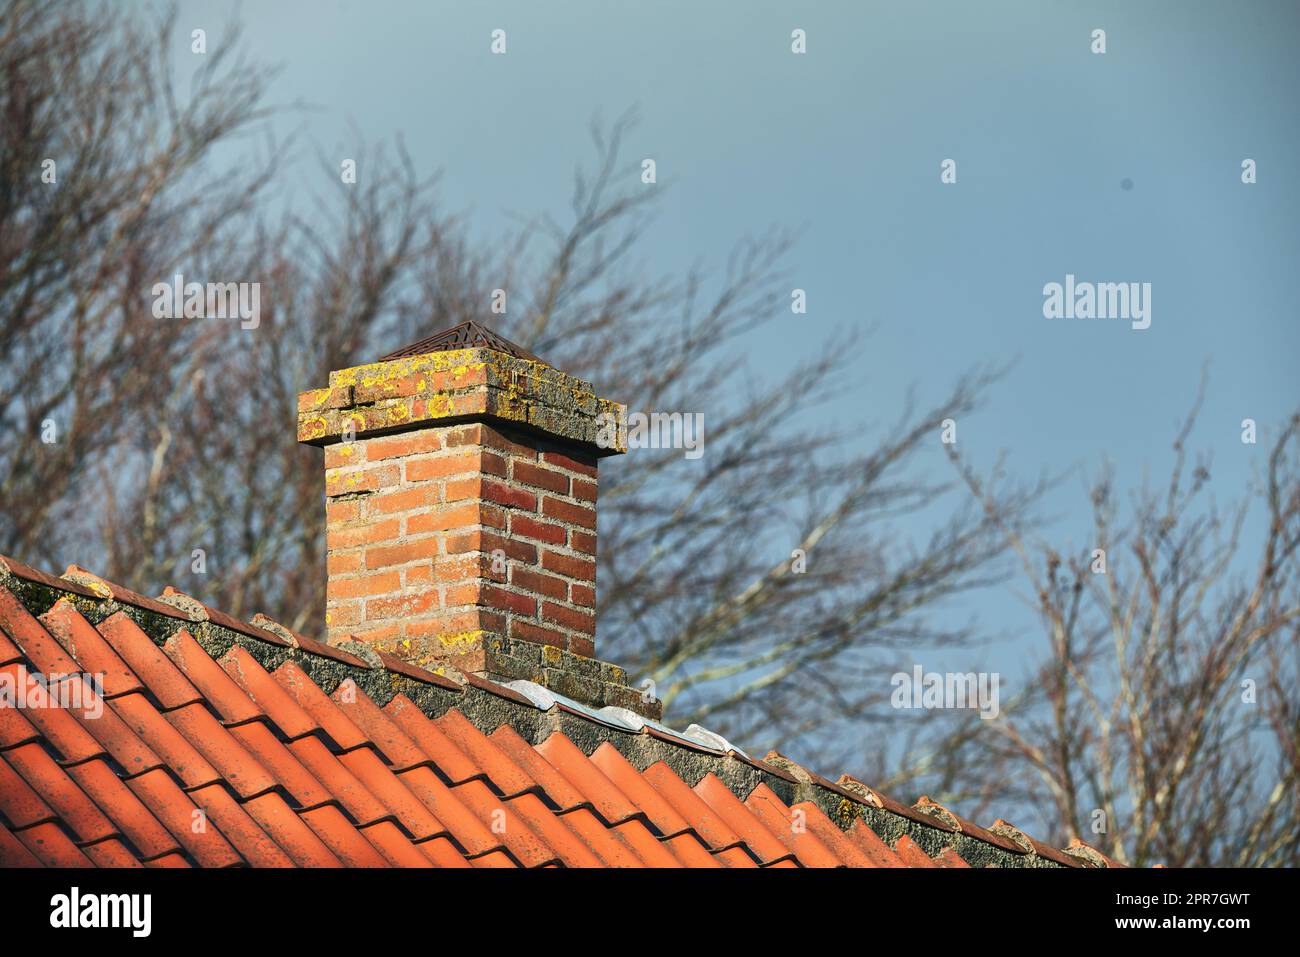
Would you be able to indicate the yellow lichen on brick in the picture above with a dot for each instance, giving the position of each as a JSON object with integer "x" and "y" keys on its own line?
{"x": 462, "y": 641}
{"x": 378, "y": 373}
{"x": 312, "y": 399}
{"x": 551, "y": 655}
{"x": 311, "y": 428}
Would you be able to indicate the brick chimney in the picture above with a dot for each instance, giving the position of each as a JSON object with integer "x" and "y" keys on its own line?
{"x": 460, "y": 484}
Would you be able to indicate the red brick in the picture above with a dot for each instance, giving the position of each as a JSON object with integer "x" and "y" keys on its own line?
{"x": 395, "y": 446}
{"x": 458, "y": 569}
{"x": 566, "y": 512}
{"x": 531, "y": 528}
{"x": 369, "y": 479}
{"x": 340, "y": 513}
{"x": 509, "y": 496}
{"x": 457, "y": 517}
{"x": 307, "y": 401}
{"x": 384, "y": 531}
{"x": 583, "y": 595}
{"x": 421, "y": 470}
{"x": 462, "y": 403}
{"x": 531, "y": 581}
{"x": 583, "y": 569}
{"x": 537, "y": 634}
{"x": 386, "y": 389}
{"x": 406, "y": 499}
{"x": 569, "y": 617}
{"x": 365, "y": 586}
{"x": 582, "y": 646}
{"x": 376, "y": 634}
{"x": 493, "y": 439}
{"x": 541, "y": 477}
{"x": 584, "y": 490}
{"x": 495, "y": 597}
{"x": 471, "y": 619}
{"x": 339, "y": 398}
{"x": 466, "y": 435}
{"x": 458, "y": 490}
{"x": 582, "y": 467}
{"x": 582, "y": 542}
{"x": 343, "y": 615}
{"x": 381, "y": 556}
{"x": 400, "y": 606}
{"x": 344, "y": 453}
{"x": 342, "y": 564}
{"x": 493, "y": 464}
{"x": 463, "y": 594}
{"x": 476, "y": 540}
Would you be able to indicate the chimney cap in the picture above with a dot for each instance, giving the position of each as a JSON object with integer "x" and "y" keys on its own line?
{"x": 466, "y": 374}
{"x": 467, "y": 335}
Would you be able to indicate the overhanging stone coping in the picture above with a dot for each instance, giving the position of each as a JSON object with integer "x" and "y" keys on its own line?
{"x": 442, "y": 388}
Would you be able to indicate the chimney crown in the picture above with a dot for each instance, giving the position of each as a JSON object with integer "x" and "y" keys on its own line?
{"x": 452, "y": 382}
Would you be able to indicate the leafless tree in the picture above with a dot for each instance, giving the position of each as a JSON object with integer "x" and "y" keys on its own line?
{"x": 1163, "y": 725}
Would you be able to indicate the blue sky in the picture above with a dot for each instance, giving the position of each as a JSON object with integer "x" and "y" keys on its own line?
{"x": 845, "y": 144}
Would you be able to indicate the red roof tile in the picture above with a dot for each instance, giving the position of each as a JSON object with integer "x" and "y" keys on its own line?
{"x": 218, "y": 743}
{"x": 289, "y": 717}
{"x": 111, "y": 853}
{"x": 61, "y": 793}
{"x": 873, "y": 847}
{"x": 791, "y": 829}
{"x": 89, "y": 650}
{"x": 911, "y": 854}
{"x": 51, "y": 847}
{"x": 493, "y": 756}
{"x": 639, "y": 791}
{"x": 760, "y": 826}
{"x": 950, "y": 858}
{"x": 166, "y": 682}
{"x": 433, "y": 742}
{"x": 597, "y": 789}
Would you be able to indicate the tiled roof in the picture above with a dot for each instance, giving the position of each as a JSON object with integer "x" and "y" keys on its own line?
{"x": 220, "y": 743}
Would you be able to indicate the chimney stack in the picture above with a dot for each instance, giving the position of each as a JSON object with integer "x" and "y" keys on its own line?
{"x": 460, "y": 483}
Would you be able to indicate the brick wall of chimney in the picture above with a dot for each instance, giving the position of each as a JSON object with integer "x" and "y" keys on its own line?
{"x": 449, "y": 531}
